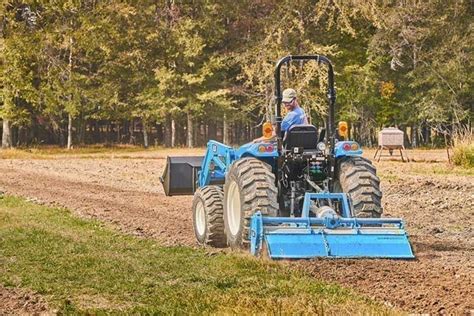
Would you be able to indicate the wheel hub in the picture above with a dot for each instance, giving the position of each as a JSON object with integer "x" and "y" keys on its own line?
{"x": 234, "y": 208}
{"x": 200, "y": 218}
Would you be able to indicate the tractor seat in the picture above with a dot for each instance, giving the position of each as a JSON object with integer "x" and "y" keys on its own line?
{"x": 301, "y": 136}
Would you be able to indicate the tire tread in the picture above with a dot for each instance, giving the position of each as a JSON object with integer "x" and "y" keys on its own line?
{"x": 358, "y": 177}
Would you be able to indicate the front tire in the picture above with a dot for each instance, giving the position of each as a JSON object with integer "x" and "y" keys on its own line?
{"x": 249, "y": 187}
{"x": 358, "y": 178}
{"x": 208, "y": 220}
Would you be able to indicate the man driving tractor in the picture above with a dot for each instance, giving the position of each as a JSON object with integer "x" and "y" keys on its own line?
{"x": 295, "y": 114}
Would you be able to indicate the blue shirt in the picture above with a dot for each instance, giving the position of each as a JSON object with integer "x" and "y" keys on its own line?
{"x": 295, "y": 117}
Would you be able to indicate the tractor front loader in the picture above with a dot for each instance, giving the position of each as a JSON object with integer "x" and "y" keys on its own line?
{"x": 304, "y": 195}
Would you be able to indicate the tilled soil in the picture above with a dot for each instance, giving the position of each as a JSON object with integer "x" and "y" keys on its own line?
{"x": 15, "y": 301}
{"x": 438, "y": 211}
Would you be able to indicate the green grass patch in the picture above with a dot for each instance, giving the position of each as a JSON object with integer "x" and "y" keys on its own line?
{"x": 84, "y": 266}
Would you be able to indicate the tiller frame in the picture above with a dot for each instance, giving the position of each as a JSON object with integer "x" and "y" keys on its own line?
{"x": 329, "y": 237}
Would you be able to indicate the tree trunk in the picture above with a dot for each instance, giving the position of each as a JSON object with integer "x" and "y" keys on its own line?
{"x": 22, "y": 136}
{"x": 190, "y": 138}
{"x": 118, "y": 132}
{"x": 131, "y": 132}
{"x": 145, "y": 134}
{"x": 414, "y": 136}
{"x": 226, "y": 134}
{"x": 82, "y": 131}
{"x": 69, "y": 121}
{"x": 237, "y": 131}
{"x": 6, "y": 135}
{"x": 62, "y": 141}
{"x": 370, "y": 138}
{"x": 203, "y": 135}
{"x": 167, "y": 132}
{"x": 173, "y": 133}
{"x": 406, "y": 140}
{"x": 212, "y": 132}
{"x": 14, "y": 133}
{"x": 97, "y": 136}
{"x": 69, "y": 131}
{"x": 107, "y": 133}
{"x": 159, "y": 134}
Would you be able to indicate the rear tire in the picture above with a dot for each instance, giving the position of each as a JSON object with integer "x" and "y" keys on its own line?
{"x": 208, "y": 220}
{"x": 358, "y": 178}
{"x": 249, "y": 187}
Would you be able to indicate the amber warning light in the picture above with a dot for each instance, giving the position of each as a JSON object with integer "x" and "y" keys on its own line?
{"x": 267, "y": 130}
{"x": 343, "y": 130}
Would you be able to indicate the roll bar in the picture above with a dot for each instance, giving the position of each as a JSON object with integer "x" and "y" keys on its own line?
{"x": 331, "y": 92}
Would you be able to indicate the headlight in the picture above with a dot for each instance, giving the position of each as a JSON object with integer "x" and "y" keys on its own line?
{"x": 322, "y": 146}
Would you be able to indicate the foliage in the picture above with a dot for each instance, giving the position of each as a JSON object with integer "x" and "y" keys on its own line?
{"x": 403, "y": 63}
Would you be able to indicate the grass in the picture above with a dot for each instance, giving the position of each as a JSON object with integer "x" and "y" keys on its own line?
{"x": 431, "y": 169}
{"x": 463, "y": 153}
{"x": 45, "y": 152}
{"x": 442, "y": 169}
{"x": 95, "y": 151}
{"x": 84, "y": 266}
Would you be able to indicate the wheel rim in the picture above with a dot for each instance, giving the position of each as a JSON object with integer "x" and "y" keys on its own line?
{"x": 233, "y": 208}
{"x": 200, "y": 218}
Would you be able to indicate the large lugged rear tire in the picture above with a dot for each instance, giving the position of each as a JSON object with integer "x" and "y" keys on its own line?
{"x": 208, "y": 220}
{"x": 249, "y": 187}
{"x": 358, "y": 178}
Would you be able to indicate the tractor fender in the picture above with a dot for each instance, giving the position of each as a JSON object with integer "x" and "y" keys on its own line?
{"x": 347, "y": 149}
{"x": 257, "y": 150}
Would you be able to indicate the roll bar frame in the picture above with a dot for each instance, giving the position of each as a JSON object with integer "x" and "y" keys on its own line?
{"x": 330, "y": 119}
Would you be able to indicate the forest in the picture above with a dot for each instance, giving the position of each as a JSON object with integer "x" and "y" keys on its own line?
{"x": 177, "y": 73}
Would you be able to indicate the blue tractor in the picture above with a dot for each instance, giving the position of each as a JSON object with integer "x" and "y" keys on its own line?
{"x": 301, "y": 194}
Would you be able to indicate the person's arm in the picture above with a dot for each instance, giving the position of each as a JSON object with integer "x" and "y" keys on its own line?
{"x": 288, "y": 120}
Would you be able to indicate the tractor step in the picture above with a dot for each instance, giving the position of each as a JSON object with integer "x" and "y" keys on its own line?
{"x": 329, "y": 237}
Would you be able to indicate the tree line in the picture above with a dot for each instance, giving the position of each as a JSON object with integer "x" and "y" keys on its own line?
{"x": 177, "y": 73}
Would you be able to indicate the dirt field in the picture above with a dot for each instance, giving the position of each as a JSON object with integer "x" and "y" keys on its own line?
{"x": 436, "y": 202}
{"x": 21, "y": 302}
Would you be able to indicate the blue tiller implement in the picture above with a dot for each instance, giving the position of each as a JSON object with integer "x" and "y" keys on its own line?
{"x": 329, "y": 236}
{"x": 299, "y": 194}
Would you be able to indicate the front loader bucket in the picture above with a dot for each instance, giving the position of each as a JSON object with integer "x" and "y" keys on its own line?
{"x": 329, "y": 237}
{"x": 181, "y": 174}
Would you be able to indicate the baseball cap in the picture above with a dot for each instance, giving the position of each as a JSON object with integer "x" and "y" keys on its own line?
{"x": 288, "y": 95}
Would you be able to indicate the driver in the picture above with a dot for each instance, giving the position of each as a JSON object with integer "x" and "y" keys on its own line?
{"x": 295, "y": 114}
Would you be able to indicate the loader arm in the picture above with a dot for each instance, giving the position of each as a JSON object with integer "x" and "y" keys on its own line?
{"x": 215, "y": 163}
{"x": 219, "y": 157}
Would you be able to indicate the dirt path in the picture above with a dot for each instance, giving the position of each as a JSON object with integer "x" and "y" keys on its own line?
{"x": 19, "y": 302}
{"x": 438, "y": 210}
